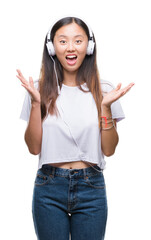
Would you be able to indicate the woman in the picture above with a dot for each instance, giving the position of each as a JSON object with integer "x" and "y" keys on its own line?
{"x": 72, "y": 119}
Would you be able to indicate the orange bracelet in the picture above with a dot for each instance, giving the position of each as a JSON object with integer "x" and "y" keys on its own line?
{"x": 105, "y": 120}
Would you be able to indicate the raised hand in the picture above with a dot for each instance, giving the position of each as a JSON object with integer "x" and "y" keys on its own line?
{"x": 29, "y": 86}
{"x": 115, "y": 94}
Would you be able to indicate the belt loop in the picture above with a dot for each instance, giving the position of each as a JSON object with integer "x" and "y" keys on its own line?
{"x": 84, "y": 173}
{"x": 52, "y": 172}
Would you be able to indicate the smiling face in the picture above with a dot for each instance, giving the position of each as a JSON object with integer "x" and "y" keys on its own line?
{"x": 70, "y": 43}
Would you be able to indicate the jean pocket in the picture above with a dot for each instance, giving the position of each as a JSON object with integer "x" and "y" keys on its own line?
{"x": 95, "y": 181}
{"x": 41, "y": 178}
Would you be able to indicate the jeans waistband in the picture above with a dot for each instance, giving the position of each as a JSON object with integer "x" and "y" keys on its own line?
{"x": 51, "y": 170}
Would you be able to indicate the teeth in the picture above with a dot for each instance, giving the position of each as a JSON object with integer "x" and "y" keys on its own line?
{"x": 73, "y": 56}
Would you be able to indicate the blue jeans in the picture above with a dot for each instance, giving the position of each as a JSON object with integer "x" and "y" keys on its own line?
{"x": 69, "y": 201}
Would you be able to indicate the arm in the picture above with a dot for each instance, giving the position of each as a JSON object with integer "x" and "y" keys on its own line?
{"x": 33, "y": 133}
{"x": 109, "y": 137}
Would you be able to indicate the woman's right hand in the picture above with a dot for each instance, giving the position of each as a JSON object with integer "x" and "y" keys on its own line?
{"x": 29, "y": 86}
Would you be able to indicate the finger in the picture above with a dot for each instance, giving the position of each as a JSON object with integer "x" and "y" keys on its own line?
{"x": 118, "y": 86}
{"x": 31, "y": 82}
{"x": 125, "y": 90}
{"x": 132, "y": 84}
{"x": 20, "y": 73}
{"x": 20, "y": 76}
{"x": 22, "y": 80}
{"x": 18, "y": 70}
{"x": 25, "y": 86}
{"x": 128, "y": 87}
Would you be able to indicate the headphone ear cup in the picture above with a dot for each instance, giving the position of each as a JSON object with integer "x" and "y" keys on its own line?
{"x": 50, "y": 48}
{"x": 90, "y": 47}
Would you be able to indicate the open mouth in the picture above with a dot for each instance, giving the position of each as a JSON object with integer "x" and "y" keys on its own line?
{"x": 71, "y": 59}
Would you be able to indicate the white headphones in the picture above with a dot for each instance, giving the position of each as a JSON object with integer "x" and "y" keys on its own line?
{"x": 90, "y": 47}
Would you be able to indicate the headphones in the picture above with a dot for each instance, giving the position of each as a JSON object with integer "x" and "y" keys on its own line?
{"x": 50, "y": 46}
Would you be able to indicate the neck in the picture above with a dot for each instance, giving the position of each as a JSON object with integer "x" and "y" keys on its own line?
{"x": 69, "y": 78}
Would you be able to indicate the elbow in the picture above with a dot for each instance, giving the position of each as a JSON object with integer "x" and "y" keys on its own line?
{"x": 109, "y": 153}
{"x": 34, "y": 151}
{"x": 33, "y": 148}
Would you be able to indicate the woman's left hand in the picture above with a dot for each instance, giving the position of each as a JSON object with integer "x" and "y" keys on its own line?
{"x": 115, "y": 94}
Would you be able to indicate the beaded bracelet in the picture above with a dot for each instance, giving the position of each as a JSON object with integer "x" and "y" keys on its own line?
{"x": 104, "y": 129}
{"x": 107, "y": 121}
{"x": 105, "y": 118}
{"x": 112, "y": 121}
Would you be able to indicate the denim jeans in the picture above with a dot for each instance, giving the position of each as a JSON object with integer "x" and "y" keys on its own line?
{"x": 69, "y": 202}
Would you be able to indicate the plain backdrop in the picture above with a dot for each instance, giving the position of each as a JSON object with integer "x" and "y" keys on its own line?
{"x": 123, "y": 36}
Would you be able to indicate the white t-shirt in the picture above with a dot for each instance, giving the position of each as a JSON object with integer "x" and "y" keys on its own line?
{"x": 75, "y": 134}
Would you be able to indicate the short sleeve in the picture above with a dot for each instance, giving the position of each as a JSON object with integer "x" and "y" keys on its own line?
{"x": 25, "y": 112}
{"x": 116, "y": 108}
{"x": 26, "y": 108}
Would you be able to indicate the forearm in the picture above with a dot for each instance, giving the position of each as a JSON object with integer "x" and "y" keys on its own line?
{"x": 109, "y": 138}
{"x": 33, "y": 134}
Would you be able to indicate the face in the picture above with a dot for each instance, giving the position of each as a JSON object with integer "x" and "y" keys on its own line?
{"x": 70, "y": 43}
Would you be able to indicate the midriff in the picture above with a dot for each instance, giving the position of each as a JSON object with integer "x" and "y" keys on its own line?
{"x": 72, "y": 165}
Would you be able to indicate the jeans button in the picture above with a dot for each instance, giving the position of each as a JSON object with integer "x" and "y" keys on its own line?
{"x": 72, "y": 172}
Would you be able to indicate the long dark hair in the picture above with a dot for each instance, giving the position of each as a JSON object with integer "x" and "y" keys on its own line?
{"x": 87, "y": 72}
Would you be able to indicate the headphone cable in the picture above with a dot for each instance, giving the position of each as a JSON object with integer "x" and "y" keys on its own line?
{"x": 59, "y": 90}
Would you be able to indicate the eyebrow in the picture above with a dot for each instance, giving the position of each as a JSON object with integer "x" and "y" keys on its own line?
{"x": 67, "y": 36}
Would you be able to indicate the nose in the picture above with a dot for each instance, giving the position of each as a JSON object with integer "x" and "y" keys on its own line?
{"x": 71, "y": 47}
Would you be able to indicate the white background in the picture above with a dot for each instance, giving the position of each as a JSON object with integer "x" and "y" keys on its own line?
{"x": 122, "y": 32}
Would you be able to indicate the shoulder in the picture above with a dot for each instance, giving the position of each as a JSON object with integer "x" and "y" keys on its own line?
{"x": 106, "y": 86}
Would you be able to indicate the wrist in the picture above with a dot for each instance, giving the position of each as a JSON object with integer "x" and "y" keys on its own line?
{"x": 35, "y": 103}
{"x": 106, "y": 111}
{"x": 106, "y": 107}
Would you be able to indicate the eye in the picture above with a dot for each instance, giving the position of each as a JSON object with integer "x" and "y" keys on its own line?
{"x": 78, "y": 41}
{"x": 63, "y": 41}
